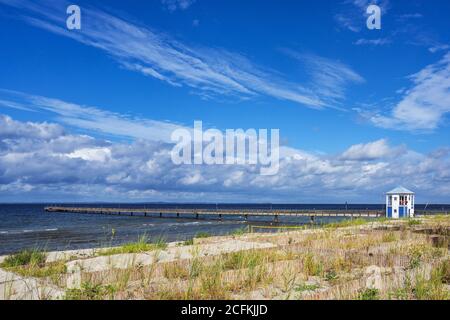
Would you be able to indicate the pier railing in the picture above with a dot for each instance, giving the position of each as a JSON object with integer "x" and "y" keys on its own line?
{"x": 178, "y": 212}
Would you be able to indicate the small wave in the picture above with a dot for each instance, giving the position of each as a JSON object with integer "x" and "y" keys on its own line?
{"x": 148, "y": 224}
{"x": 28, "y": 231}
{"x": 196, "y": 223}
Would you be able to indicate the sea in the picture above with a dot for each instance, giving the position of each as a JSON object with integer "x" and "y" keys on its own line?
{"x": 28, "y": 226}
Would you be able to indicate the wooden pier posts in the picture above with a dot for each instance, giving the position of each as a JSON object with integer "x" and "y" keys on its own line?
{"x": 195, "y": 213}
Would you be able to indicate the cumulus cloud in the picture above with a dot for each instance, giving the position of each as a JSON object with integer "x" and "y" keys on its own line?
{"x": 425, "y": 105}
{"x": 43, "y": 161}
{"x": 369, "y": 151}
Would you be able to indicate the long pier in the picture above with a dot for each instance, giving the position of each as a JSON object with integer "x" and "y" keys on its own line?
{"x": 246, "y": 213}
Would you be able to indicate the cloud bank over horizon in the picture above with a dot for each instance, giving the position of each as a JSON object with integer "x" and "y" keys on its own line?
{"x": 48, "y": 163}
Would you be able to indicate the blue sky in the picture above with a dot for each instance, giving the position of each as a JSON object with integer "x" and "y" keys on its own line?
{"x": 359, "y": 111}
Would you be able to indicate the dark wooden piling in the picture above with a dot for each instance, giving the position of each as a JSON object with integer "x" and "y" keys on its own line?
{"x": 219, "y": 212}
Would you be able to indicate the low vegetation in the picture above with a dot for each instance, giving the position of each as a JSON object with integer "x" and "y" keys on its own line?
{"x": 28, "y": 257}
{"x": 333, "y": 262}
{"x": 32, "y": 263}
{"x": 142, "y": 245}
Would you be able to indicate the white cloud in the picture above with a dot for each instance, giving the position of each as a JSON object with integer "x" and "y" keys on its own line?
{"x": 425, "y": 105}
{"x": 91, "y": 154}
{"x": 93, "y": 118}
{"x": 36, "y": 166}
{"x": 211, "y": 72}
{"x": 330, "y": 77}
{"x": 410, "y": 16}
{"x": 369, "y": 151}
{"x": 373, "y": 42}
{"x": 439, "y": 47}
{"x": 173, "y": 5}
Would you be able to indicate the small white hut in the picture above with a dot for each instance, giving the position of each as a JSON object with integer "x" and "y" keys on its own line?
{"x": 400, "y": 203}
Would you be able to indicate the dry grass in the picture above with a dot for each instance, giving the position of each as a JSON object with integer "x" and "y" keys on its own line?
{"x": 326, "y": 263}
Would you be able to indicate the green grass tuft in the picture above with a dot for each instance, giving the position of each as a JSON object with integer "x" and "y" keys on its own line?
{"x": 306, "y": 287}
{"x": 369, "y": 294}
{"x": 90, "y": 291}
{"x": 141, "y": 245}
{"x": 347, "y": 223}
{"x": 202, "y": 235}
{"x": 413, "y": 222}
{"x": 29, "y": 257}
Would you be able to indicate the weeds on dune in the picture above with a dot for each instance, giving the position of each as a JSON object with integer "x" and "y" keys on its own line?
{"x": 347, "y": 223}
{"x": 176, "y": 270}
{"x": 89, "y": 291}
{"x": 413, "y": 222}
{"x": 243, "y": 259}
{"x": 142, "y": 245}
{"x": 389, "y": 237}
{"x": 312, "y": 266}
{"x": 201, "y": 235}
{"x": 188, "y": 242}
{"x": 211, "y": 283}
{"x": 306, "y": 287}
{"x": 420, "y": 253}
{"x": 369, "y": 294}
{"x": 51, "y": 270}
{"x": 31, "y": 263}
{"x": 29, "y": 257}
{"x": 433, "y": 288}
{"x": 240, "y": 231}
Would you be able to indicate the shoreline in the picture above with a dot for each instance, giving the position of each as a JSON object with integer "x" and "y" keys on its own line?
{"x": 340, "y": 261}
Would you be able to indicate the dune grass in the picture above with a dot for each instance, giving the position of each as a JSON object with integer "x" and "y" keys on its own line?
{"x": 347, "y": 223}
{"x": 26, "y": 257}
{"x": 32, "y": 263}
{"x": 325, "y": 263}
{"x": 201, "y": 235}
{"x": 142, "y": 245}
{"x": 89, "y": 291}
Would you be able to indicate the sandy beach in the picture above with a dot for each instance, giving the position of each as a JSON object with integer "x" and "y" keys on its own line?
{"x": 354, "y": 259}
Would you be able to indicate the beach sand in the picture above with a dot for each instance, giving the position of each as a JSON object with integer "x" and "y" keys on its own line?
{"x": 350, "y": 260}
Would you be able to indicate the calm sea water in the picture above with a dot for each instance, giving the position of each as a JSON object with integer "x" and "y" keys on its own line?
{"x": 28, "y": 226}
